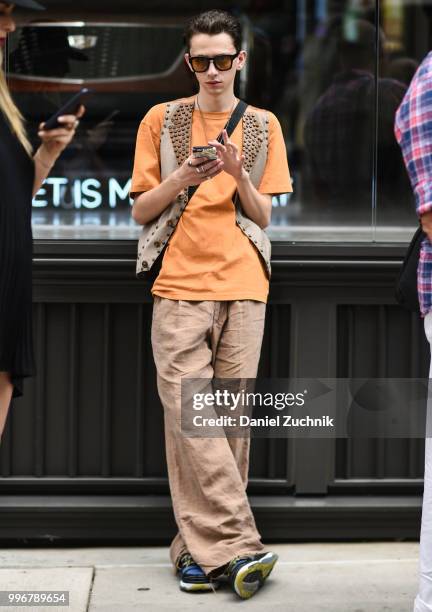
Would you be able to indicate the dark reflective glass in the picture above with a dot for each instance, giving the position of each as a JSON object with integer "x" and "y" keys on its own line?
{"x": 321, "y": 67}
{"x": 406, "y": 39}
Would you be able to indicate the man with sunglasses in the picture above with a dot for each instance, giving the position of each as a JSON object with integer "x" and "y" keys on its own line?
{"x": 206, "y": 217}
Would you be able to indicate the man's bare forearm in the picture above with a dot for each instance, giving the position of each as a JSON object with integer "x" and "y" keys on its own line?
{"x": 150, "y": 204}
{"x": 257, "y": 206}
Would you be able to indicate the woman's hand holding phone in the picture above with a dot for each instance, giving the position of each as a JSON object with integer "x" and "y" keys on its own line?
{"x": 56, "y": 140}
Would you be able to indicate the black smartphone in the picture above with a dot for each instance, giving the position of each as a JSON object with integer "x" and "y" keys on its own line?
{"x": 70, "y": 108}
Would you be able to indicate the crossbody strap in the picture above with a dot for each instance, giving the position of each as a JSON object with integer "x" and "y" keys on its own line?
{"x": 237, "y": 114}
{"x": 231, "y": 125}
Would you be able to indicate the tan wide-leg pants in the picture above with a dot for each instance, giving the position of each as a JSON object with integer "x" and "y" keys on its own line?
{"x": 207, "y": 475}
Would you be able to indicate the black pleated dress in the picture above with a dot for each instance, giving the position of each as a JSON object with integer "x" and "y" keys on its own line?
{"x": 16, "y": 185}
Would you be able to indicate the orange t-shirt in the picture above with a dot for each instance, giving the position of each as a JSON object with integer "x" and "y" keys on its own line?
{"x": 208, "y": 257}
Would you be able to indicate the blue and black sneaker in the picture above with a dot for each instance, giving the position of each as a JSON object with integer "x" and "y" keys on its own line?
{"x": 192, "y": 577}
{"x": 247, "y": 573}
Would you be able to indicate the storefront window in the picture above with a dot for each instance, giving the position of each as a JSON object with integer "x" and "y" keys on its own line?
{"x": 128, "y": 70}
{"x": 406, "y": 38}
{"x": 313, "y": 63}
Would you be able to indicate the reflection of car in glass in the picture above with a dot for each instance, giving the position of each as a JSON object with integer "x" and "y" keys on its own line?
{"x": 120, "y": 58}
{"x": 131, "y": 67}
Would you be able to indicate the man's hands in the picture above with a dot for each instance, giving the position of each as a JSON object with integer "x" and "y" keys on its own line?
{"x": 229, "y": 155}
{"x": 196, "y": 170}
{"x": 426, "y": 223}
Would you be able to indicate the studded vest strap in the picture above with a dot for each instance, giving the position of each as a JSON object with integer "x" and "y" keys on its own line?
{"x": 175, "y": 137}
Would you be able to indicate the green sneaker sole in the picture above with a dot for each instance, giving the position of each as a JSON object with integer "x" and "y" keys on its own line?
{"x": 250, "y": 577}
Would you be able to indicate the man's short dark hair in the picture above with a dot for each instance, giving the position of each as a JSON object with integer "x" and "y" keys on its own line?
{"x": 214, "y": 22}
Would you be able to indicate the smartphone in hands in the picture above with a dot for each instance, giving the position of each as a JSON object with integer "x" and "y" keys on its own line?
{"x": 70, "y": 108}
{"x": 207, "y": 151}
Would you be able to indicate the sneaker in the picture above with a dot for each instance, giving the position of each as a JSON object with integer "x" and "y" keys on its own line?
{"x": 247, "y": 573}
{"x": 192, "y": 577}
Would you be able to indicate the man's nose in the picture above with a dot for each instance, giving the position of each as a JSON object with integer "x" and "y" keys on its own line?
{"x": 212, "y": 70}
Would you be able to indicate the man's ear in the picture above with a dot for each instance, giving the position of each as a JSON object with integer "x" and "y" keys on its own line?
{"x": 241, "y": 59}
{"x": 186, "y": 57}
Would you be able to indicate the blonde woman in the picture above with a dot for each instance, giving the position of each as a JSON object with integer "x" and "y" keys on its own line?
{"x": 21, "y": 175}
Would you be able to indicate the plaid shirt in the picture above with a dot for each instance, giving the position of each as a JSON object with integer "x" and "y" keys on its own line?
{"x": 413, "y": 131}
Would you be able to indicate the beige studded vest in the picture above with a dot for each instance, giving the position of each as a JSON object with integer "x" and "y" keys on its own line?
{"x": 175, "y": 142}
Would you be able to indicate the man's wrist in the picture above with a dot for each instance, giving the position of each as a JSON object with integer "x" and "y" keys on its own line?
{"x": 177, "y": 183}
{"x": 243, "y": 178}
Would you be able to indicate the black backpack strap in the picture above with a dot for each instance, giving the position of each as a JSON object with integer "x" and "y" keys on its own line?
{"x": 237, "y": 114}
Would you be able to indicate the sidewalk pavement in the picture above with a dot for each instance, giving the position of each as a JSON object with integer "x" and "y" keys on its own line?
{"x": 329, "y": 577}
